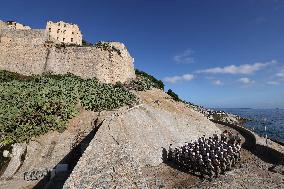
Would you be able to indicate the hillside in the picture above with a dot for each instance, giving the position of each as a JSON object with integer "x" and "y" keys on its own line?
{"x": 133, "y": 139}
{"x": 136, "y": 118}
{"x": 108, "y": 135}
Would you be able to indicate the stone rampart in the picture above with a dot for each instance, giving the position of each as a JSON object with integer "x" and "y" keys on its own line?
{"x": 23, "y": 51}
{"x": 22, "y": 37}
{"x": 27, "y": 52}
{"x": 88, "y": 62}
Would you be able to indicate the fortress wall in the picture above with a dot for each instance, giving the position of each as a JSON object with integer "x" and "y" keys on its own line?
{"x": 88, "y": 62}
{"x": 20, "y": 37}
{"x": 2, "y": 25}
{"x": 23, "y": 51}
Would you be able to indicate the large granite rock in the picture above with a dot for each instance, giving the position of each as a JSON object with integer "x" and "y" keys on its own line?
{"x": 130, "y": 140}
{"x": 18, "y": 151}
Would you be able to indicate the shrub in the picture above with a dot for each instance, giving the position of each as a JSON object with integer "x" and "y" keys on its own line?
{"x": 86, "y": 43}
{"x": 149, "y": 78}
{"x": 140, "y": 84}
{"x": 173, "y": 95}
{"x": 107, "y": 47}
{"x": 35, "y": 106}
{"x": 6, "y": 76}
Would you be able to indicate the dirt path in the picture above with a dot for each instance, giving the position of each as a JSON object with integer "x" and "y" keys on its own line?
{"x": 252, "y": 172}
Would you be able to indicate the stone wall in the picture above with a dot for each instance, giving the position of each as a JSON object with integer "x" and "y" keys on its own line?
{"x": 23, "y": 37}
{"x": 3, "y": 25}
{"x": 26, "y": 52}
{"x": 23, "y": 51}
{"x": 13, "y": 25}
{"x": 88, "y": 62}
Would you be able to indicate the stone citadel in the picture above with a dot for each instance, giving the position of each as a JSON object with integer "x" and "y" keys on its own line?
{"x": 58, "y": 49}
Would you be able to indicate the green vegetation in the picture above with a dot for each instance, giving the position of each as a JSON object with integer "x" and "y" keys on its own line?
{"x": 6, "y": 76}
{"x": 107, "y": 47}
{"x": 103, "y": 45}
{"x": 218, "y": 117}
{"x": 140, "y": 84}
{"x": 144, "y": 82}
{"x": 150, "y": 80}
{"x": 30, "y": 106}
{"x": 173, "y": 95}
{"x": 86, "y": 43}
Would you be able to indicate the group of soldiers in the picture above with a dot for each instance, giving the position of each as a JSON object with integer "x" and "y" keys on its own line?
{"x": 208, "y": 156}
{"x": 35, "y": 174}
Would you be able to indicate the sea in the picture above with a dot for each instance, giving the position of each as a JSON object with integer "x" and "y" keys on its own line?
{"x": 268, "y": 122}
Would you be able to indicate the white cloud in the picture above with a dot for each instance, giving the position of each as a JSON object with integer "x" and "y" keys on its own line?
{"x": 217, "y": 82}
{"x": 242, "y": 69}
{"x": 185, "y": 57}
{"x": 246, "y": 81}
{"x": 281, "y": 73}
{"x": 174, "y": 79}
{"x": 187, "y": 77}
{"x": 272, "y": 82}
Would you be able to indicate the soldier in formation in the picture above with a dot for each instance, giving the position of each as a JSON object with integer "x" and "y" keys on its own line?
{"x": 208, "y": 156}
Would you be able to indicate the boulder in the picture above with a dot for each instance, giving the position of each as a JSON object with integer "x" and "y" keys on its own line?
{"x": 128, "y": 141}
{"x": 18, "y": 151}
{"x": 6, "y": 153}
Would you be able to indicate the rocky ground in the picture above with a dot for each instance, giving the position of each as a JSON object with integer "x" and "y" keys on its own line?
{"x": 46, "y": 151}
{"x": 133, "y": 139}
{"x": 127, "y": 150}
{"x": 252, "y": 172}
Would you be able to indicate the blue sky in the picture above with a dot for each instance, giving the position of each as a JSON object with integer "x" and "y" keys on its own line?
{"x": 216, "y": 53}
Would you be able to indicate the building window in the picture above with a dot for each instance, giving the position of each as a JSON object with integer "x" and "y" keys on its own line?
{"x": 64, "y": 31}
{"x": 72, "y": 32}
{"x": 71, "y": 39}
{"x": 58, "y": 24}
{"x": 49, "y": 29}
{"x": 57, "y": 38}
{"x": 58, "y": 30}
{"x": 64, "y": 25}
{"x": 63, "y": 39}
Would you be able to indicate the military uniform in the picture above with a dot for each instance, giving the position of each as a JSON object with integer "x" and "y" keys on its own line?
{"x": 207, "y": 156}
{"x": 170, "y": 153}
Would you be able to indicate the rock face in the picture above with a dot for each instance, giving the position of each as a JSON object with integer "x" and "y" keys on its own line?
{"x": 17, "y": 154}
{"x": 130, "y": 140}
{"x": 47, "y": 151}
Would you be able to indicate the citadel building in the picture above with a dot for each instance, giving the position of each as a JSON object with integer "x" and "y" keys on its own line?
{"x": 13, "y": 25}
{"x": 64, "y": 32}
{"x": 37, "y": 51}
{"x": 58, "y": 32}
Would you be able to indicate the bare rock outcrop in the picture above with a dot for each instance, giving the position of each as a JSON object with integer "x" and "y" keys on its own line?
{"x": 46, "y": 151}
{"x": 18, "y": 151}
{"x": 130, "y": 140}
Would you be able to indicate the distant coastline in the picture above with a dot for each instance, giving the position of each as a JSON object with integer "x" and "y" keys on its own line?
{"x": 268, "y": 122}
